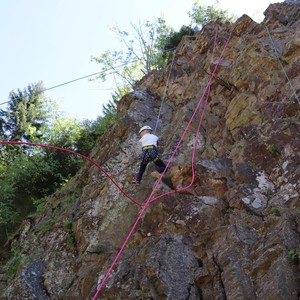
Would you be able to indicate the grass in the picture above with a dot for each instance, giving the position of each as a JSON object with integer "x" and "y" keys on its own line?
{"x": 272, "y": 148}
{"x": 275, "y": 211}
{"x": 13, "y": 265}
{"x": 293, "y": 256}
{"x": 68, "y": 225}
{"x": 46, "y": 225}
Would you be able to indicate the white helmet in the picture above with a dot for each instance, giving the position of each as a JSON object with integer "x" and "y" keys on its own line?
{"x": 145, "y": 128}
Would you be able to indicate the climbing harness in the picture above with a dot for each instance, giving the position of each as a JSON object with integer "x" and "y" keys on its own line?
{"x": 148, "y": 147}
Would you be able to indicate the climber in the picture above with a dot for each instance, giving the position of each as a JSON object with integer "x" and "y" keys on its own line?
{"x": 149, "y": 147}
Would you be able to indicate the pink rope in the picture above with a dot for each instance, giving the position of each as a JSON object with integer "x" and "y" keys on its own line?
{"x": 74, "y": 153}
{"x": 149, "y": 200}
{"x": 193, "y": 156}
{"x": 207, "y": 91}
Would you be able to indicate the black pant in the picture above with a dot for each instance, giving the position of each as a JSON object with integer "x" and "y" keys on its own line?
{"x": 148, "y": 156}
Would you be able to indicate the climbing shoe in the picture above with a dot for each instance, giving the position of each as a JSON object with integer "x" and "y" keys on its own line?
{"x": 155, "y": 174}
{"x": 135, "y": 182}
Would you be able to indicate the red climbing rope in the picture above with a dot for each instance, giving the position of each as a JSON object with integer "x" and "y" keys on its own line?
{"x": 150, "y": 199}
{"x": 207, "y": 92}
{"x": 74, "y": 153}
{"x": 193, "y": 156}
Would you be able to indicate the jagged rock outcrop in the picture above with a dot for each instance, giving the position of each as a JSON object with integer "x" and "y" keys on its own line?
{"x": 235, "y": 234}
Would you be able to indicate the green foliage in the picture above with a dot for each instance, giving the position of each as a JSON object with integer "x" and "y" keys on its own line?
{"x": 39, "y": 204}
{"x": 105, "y": 122}
{"x": 275, "y": 211}
{"x": 45, "y": 225}
{"x": 63, "y": 132}
{"x": 13, "y": 265}
{"x": 272, "y": 148}
{"x": 130, "y": 245}
{"x": 171, "y": 41}
{"x": 68, "y": 224}
{"x": 125, "y": 70}
{"x": 31, "y": 176}
{"x": 91, "y": 130}
{"x": 87, "y": 137}
{"x": 69, "y": 134}
{"x": 293, "y": 256}
{"x": 27, "y": 180}
{"x": 17, "y": 259}
{"x": 148, "y": 48}
{"x": 70, "y": 235}
{"x": 111, "y": 106}
{"x": 7, "y": 213}
{"x": 23, "y": 172}
{"x": 26, "y": 173}
{"x": 143, "y": 53}
{"x": 26, "y": 114}
{"x": 202, "y": 15}
{"x": 70, "y": 199}
{"x": 71, "y": 238}
{"x": 28, "y": 176}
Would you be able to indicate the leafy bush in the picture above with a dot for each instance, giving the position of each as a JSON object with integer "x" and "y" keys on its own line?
{"x": 92, "y": 130}
{"x": 172, "y": 40}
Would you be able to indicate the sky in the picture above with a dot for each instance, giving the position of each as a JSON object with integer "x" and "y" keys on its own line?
{"x": 53, "y": 41}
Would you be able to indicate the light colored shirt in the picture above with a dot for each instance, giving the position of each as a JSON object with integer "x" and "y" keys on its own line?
{"x": 149, "y": 139}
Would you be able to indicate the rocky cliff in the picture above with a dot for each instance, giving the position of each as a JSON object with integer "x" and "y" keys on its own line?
{"x": 235, "y": 234}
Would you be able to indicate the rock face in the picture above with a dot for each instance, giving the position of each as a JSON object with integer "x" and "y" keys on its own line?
{"x": 235, "y": 233}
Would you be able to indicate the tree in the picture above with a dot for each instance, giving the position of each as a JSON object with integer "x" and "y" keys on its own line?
{"x": 22, "y": 181}
{"x": 143, "y": 53}
{"x": 64, "y": 133}
{"x": 28, "y": 173}
{"x": 26, "y": 114}
{"x": 8, "y": 213}
{"x": 8, "y": 216}
{"x": 201, "y": 15}
{"x": 170, "y": 42}
{"x": 148, "y": 48}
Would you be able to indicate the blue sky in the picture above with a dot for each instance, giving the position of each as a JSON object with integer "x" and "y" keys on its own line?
{"x": 53, "y": 41}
